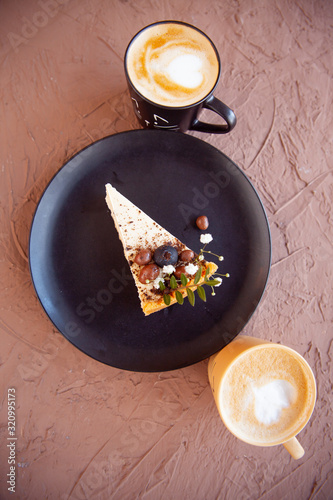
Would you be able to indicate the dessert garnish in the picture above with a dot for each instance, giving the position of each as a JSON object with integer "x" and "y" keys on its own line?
{"x": 202, "y": 222}
{"x": 173, "y": 273}
{"x": 164, "y": 269}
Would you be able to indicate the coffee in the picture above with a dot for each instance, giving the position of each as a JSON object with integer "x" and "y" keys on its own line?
{"x": 267, "y": 395}
{"x": 172, "y": 64}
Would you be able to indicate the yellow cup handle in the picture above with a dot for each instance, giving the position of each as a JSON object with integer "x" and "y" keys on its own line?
{"x": 294, "y": 448}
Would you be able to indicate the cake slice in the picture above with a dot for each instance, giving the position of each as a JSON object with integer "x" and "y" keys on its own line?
{"x": 154, "y": 255}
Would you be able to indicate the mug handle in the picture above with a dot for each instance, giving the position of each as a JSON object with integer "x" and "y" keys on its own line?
{"x": 214, "y": 104}
{"x": 294, "y": 447}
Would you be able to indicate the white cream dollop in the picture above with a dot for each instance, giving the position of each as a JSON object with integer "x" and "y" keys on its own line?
{"x": 271, "y": 399}
{"x": 191, "y": 269}
{"x": 168, "y": 269}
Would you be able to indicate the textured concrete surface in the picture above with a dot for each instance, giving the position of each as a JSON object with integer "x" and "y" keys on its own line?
{"x": 89, "y": 431}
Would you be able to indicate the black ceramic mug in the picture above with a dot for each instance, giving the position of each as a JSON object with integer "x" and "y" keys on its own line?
{"x": 172, "y": 69}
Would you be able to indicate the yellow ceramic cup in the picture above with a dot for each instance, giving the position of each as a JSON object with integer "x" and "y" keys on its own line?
{"x": 265, "y": 392}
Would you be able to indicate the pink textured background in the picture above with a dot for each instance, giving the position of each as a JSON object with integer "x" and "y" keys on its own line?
{"x": 90, "y": 431}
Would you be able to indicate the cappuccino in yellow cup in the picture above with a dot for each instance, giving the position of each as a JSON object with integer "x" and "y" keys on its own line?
{"x": 265, "y": 392}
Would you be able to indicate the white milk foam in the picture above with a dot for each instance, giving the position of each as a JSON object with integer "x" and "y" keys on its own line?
{"x": 185, "y": 70}
{"x": 270, "y": 399}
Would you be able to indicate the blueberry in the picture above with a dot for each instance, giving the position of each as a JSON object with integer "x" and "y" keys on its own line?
{"x": 165, "y": 255}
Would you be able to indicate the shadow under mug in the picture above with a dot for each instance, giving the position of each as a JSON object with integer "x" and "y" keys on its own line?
{"x": 153, "y": 115}
{"x": 231, "y": 358}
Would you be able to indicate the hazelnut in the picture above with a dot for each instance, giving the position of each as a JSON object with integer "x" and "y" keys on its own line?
{"x": 186, "y": 255}
{"x": 148, "y": 273}
{"x": 202, "y": 222}
{"x": 143, "y": 257}
{"x": 179, "y": 271}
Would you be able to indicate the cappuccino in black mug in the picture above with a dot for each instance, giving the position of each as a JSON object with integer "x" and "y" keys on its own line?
{"x": 172, "y": 69}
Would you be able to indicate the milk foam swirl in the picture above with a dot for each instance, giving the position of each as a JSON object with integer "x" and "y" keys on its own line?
{"x": 173, "y": 65}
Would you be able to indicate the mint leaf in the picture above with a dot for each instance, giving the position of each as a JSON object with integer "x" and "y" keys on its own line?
{"x": 201, "y": 293}
{"x": 173, "y": 283}
{"x": 197, "y": 276}
{"x": 191, "y": 296}
{"x": 179, "y": 298}
{"x": 167, "y": 299}
{"x": 212, "y": 282}
{"x": 183, "y": 279}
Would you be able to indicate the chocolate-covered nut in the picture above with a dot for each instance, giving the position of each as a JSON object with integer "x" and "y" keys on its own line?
{"x": 186, "y": 255}
{"x": 179, "y": 271}
{"x": 148, "y": 273}
{"x": 202, "y": 222}
{"x": 143, "y": 257}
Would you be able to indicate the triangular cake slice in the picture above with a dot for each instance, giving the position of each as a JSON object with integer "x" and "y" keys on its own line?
{"x": 137, "y": 231}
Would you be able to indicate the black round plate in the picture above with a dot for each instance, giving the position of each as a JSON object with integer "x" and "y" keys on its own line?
{"x": 79, "y": 270}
